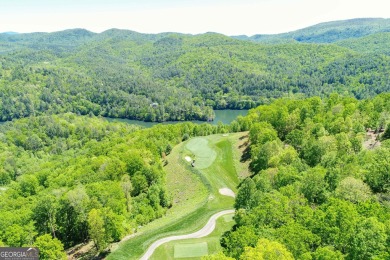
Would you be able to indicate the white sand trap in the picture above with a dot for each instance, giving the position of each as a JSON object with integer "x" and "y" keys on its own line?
{"x": 225, "y": 135}
{"x": 188, "y": 159}
{"x": 227, "y": 192}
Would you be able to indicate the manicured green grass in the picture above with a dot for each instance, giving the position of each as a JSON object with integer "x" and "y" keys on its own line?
{"x": 191, "y": 250}
{"x": 194, "y": 191}
{"x": 224, "y": 164}
{"x": 228, "y": 218}
{"x": 202, "y": 153}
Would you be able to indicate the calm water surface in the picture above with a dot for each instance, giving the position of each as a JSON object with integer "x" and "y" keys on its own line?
{"x": 224, "y": 116}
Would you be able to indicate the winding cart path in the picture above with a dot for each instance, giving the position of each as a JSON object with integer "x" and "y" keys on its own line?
{"x": 205, "y": 231}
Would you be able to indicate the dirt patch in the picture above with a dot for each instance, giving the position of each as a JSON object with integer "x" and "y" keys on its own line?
{"x": 371, "y": 140}
{"x": 82, "y": 250}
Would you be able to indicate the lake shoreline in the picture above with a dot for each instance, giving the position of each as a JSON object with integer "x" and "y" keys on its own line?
{"x": 225, "y": 116}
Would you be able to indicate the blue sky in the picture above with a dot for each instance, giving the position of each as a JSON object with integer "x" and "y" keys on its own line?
{"x": 230, "y": 17}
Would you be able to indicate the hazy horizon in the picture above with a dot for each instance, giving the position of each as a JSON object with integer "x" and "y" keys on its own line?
{"x": 229, "y": 17}
{"x": 128, "y": 29}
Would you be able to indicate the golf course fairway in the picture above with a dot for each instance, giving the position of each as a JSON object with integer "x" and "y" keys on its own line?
{"x": 196, "y": 197}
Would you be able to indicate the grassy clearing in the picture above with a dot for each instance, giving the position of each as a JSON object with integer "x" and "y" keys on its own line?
{"x": 194, "y": 192}
{"x": 167, "y": 251}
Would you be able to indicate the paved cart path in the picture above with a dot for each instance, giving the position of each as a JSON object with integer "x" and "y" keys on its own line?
{"x": 205, "y": 231}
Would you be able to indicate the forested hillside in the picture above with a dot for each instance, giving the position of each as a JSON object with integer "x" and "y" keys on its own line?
{"x": 320, "y": 187}
{"x": 375, "y": 43}
{"x": 171, "y": 76}
{"x": 328, "y": 32}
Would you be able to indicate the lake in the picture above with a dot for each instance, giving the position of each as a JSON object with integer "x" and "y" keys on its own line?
{"x": 225, "y": 116}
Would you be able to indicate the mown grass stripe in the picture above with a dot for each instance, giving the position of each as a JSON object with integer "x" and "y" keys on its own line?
{"x": 191, "y": 250}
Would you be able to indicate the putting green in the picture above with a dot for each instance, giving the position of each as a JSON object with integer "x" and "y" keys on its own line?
{"x": 204, "y": 156}
{"x": 191, "y": 250}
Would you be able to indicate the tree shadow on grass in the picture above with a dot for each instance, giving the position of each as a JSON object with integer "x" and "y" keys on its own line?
{"x": 243, "y": 137}
{"x": 246, "y": 155}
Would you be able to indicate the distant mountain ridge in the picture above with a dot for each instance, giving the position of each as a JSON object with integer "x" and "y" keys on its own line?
{"x": 10, "y": 33}
{"x": 327, "y": 32}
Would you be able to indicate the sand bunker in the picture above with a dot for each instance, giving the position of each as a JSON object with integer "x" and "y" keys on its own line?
{"x": 188, "y": 159}
{"x": 227, "y": 192}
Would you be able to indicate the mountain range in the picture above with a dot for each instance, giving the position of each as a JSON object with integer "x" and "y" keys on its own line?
{"x": 122, "y": 73}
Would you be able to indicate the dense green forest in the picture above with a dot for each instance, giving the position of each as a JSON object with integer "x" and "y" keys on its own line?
{"x": 375, "y": 43}
{"x": 65, "y": 179}
{"x": 319, "y": 189}
{"x": 170, "y": 76}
